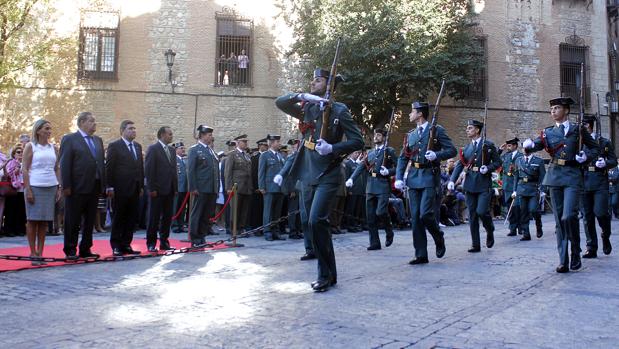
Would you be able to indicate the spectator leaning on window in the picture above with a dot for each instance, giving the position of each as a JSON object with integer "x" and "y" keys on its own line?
{"x": 243, "y": 67}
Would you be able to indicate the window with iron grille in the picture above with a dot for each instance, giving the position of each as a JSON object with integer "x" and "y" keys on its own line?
{"x": 233, "y": 60}
{"x": 477, "y": 90}
{"x": 98, "y": 46}
{"x": 571, "y": 56}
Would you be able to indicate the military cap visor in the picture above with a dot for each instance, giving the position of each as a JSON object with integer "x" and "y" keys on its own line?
{"x": 261, "y": 141}
{"x": 421, "y": 105}
{"x": 475, "y": 123}
{"x": 241, "y": 138}
{"x": 204, "y": 129}
{"x": 273, "y": 137}
{"x": 513, "y": 141}
{"x": 564, "y": 101}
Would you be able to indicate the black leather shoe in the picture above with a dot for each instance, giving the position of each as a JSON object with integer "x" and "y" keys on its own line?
{"x": 540, "y": 233}
{"x": 89, "y": 254}
{"x": 72, "y": 257}
{"x": 525, "y": 237}
{"x": 152, "y": 249}
{"x": 333, "y": 282}
{"x": 322, "y": 285}
{"x": 373, "y": 247}
{"x": 419, "y": 260}
{"x": 198, "y": 244}
{"x": 389, "y": 239}
{"x": 131, "y": 251}
{"x": 590, "y": 254}
{"x": 440, "y": 250}
{"x": 575, "y": 263}
{"x": 512, "y": 233}
{"x": 307, "y": 257}
{"x": 607, "y": 248}
{"x": 117, "y": 252}
{"x": 165, "y": 247}
{"x": 562, "y": 269}
{"x": 474, "y": 249}
{"x": 490, "y": 239}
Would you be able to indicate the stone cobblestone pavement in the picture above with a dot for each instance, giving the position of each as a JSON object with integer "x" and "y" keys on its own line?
{"x": 258, "y": 296}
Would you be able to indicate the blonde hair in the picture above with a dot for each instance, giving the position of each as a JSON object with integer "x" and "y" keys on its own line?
{"x": 35, "y": 128}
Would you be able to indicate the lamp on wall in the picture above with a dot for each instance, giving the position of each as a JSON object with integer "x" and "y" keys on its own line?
{"x": 169, "y": 58}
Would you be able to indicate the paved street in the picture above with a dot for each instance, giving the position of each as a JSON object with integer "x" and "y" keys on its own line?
{"x": 259, "y": 297}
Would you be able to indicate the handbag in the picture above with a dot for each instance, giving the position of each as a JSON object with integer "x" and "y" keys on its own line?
{"x": 6, "y": 188}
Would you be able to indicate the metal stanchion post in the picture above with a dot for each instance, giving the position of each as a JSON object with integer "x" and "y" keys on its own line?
{"x": 189, "y": 204}
{"x": 234, "y": 210}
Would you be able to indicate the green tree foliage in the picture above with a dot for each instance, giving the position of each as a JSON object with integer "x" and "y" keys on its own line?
{"x": 393, "y": 50}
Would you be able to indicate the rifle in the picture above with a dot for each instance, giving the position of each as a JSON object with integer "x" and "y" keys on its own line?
{"x": 598, "y": 122}
{"x": 326, "y": 109}
{"x": 432, "y": 133}
{"x": 386, "y": 142}
{"x": 581, "y": 101}
{"x": 483, "y": 134}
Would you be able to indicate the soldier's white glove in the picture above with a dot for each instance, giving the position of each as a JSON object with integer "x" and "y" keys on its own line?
{"x": 399, "y": 184}
{"x": 601, "y": 163}
{"x": 451, "y": 185}
{"x": 349, "y": 183}
{"x": 483, "y": 169}
{"x": 278, "y": 180}
{"x": 430, "y": 155}
{"x": 528, "y": 143}
{"x": 384, "y": 171}
{"x": 310, "y": 98}
{"x": 514, "y": 195}
{"x": 581, "y": 157}
{"x": 323, "y": 148}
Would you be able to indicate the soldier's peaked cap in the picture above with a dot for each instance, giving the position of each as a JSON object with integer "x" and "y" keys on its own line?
{"x": 204, "y": 129}
{"x": 241, "y": 138}
{"x": 513, "y": 141}
{"x": 273, "y": 137}
{"x": 565, "y": 101}
{"x": 420, "y": 105}
{"x": 262, "y": 141}
{"x": 475, "y": 123}
{"x": 323, "y": 73}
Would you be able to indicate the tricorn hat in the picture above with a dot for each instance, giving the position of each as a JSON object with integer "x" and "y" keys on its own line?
{"x": 564, "y": 101}
{"x": 475, "y": 123}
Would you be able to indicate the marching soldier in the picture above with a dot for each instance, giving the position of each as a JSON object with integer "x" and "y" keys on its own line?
{"x": 203, "y": 184}
{"x": 271, "y": 162}
{"x": 564, "y": 177}
{"x": 423, "y": 179}
{"x": 529, "y": 171}
{"x": 478, "y": 159}
{"x": 237, "y": 171}
{"x": 613, "y": 184}
{"x": 181, "y": 172}
{"x": 316, "y": 165}
{"x": 595, "y": 196}
{"x": 378, "y": 188}
{"x": 508, "y": 161}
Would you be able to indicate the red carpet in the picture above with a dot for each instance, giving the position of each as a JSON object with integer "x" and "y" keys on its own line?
{"x": 101, "y": 247}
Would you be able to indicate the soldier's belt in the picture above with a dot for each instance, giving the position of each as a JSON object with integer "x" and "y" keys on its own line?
{"x": 528, "y": 180}
{"x": 420, "y": 165}
{"x": 309, "y": 145}
{"x": 563, "y": 162}
{"x": 595, "y": 169}
{"x": 377, "y": 174}
{"x": 475, "y": 169}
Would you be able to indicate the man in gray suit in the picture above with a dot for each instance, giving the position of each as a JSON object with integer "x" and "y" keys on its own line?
{"x": 82, "y": 167}
{"x": 269, "y": 165}
{"x": 237, "y": 171}
{"x": 203, "y": 184}
{"x": 181, "y": 172}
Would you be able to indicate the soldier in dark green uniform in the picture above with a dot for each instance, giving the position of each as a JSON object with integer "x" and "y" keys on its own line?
{"x": 423, "y": 179}
{"x": 528, "y": 172}
{"x": 270, "y": 163}
{"x": 316, "y": 165}
{"x": 378, "y": 188}
{"x": 564, "y": 177}
{"x": 479, "y": 161}
{"x": 508, "y": 161}
{"x": 595, "y": 196}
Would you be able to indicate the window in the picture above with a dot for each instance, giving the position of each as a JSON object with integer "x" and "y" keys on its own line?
{"x": 572, "y": 54}
{"x": 477, "y": 90}
{"x": 98, "y": 46}
{"x": 233, "y": 60}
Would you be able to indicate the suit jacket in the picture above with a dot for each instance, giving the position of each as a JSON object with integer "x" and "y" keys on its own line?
{"x": 424, "y": 173}
{"x": 161, "y": 170}
{"x": 269, "y": 166}
{"x": 79, "y": 169}
{"x": 471, "y": 161}
{"x": 597, "y": 178}
{"x": 563, "y": 170}
{"x": 528, "y": 177}
{"x": 238, "y": 170}
{"x": 203, "y": 170}
{"x": 123, "y": 172}
{"x": 376, "y": 182}
{"x": 181, "y": 173}
{"x": 254, "y": 170}
{"x": 509, "y": 165}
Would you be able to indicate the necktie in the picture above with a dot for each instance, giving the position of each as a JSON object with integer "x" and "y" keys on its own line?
{"x": 135, "y": 157}
{"x": 420, "y": 130}
{"x": 562, "y": 128}
{"x": 475, "y": 145}
{"x": 91, "y": 146}
{"x": 169, "y": 153}
{"x": 527, "y": 160}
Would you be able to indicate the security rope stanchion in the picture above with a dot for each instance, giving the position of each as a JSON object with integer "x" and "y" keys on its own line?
{"x": 235, "y": 205}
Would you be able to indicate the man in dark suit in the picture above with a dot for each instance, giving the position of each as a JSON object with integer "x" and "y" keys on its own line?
{"x": 124, "y": 171}
{"x": 162, "y": 183}
{"x": 82, "y": 167}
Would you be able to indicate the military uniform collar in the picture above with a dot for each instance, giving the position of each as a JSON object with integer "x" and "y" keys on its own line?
{"x": 476, "y": 140}
{"x": 424, "y": 125}
{"x": 203, "y": 144}
{"x": 565, "y": 123}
